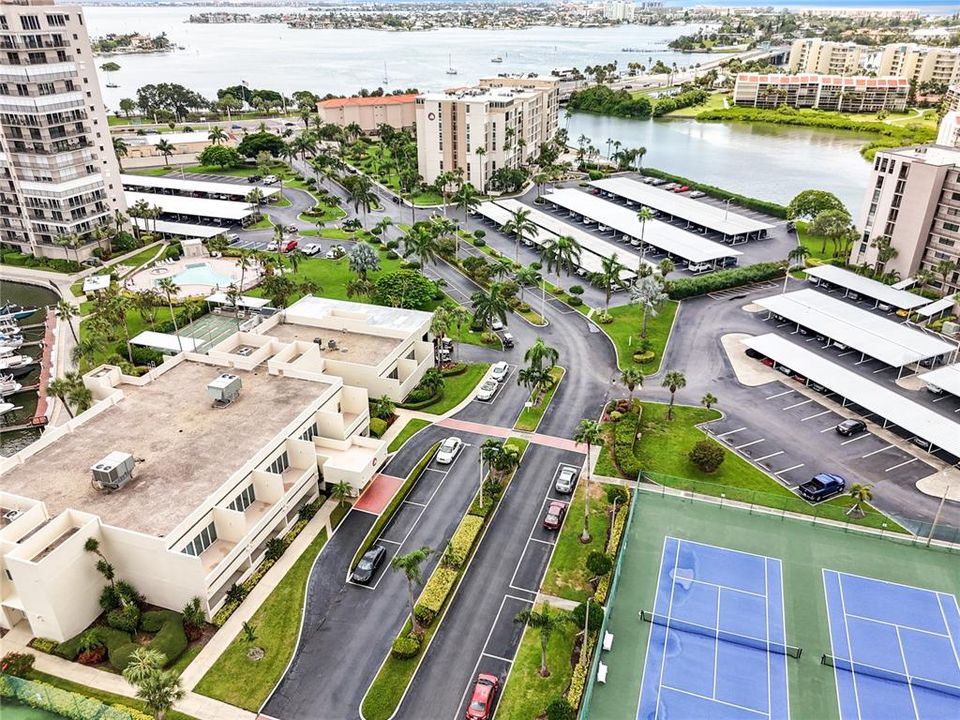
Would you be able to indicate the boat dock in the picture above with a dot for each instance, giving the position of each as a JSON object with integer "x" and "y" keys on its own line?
{"x": 40, "y": 419}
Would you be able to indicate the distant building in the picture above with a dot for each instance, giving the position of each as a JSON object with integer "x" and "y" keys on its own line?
{"x": 952, "y": 98}
{"x": 821, "y": 92}
{"x": 142, "y": 149}
{"x": 59, "y": 176}
{"x": 813, "y": 55}
{"x": 949, "y": 131}
{"x": 397, "y": 111}
{"x": 619, "y": 10}
{"x": 913, "y": 200}
{"x": 921, "y": 64}
{"x": 499, "y": 123}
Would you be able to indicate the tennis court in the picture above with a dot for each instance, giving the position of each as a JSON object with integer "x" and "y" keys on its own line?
{"x": 895, "y": 649}
{"x": 717, "y": 644}
{"x": 209, "y": 329}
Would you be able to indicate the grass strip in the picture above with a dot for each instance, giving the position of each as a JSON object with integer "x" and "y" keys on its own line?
{"x": 456, "y": 388}
{"x": 625, "y": 329}
{"x": 413, "y": 426}
{"x": 391, "y": 508}
{"x": 530, "y": 417}
{"x": 245, "y": 683}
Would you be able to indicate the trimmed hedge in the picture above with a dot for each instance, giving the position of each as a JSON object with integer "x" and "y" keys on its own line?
{"x": 579, "y": 680}
{"x": 170, "y": 639}
{"x": 463, "y": 539}
{"x": 764, "y": 206}
{"x": 64, "y": 703}
{"x": 405, "y": 647}
{"x": 389, "y": 511}
{"x": 723, "y": 279}
{"x": 624, "y": 434}
{"x": 378, "y": 427}
{"x": 436, "y": 592}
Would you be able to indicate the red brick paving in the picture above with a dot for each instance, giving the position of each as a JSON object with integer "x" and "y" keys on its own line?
{"x": 378, "y": 493}
{"x": 497, "y": 431}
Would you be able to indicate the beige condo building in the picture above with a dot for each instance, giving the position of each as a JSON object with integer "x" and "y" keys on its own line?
{"x": 921, "y": 64}
{"x": 825, "y": 57}
{"x": 821, "y": 92}
{"x": 397, "y": 111}
{"x": 913, "y": 199}
{"x": 478, "y": 130}
{"x": 59, "y": 176}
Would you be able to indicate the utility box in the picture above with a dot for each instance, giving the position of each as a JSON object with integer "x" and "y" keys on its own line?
{"x": 951, "y": 328}
{"x": 224, "y": 389}
{"x": 113, "y": 472}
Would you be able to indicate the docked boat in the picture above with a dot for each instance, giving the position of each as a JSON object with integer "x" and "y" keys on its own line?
{"x": 12, "y": 311}
{"x": 451, "y": 70}
{"x": 8, "y": 407}
{"x": 496, "y": 59}
{"x": 9, "y": 386}
{"x": 11, "y": 341}
{"x": 17, "y": 365}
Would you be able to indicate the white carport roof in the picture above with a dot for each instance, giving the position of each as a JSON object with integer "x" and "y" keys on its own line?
{"x": 709, "y": 216}
{"x": 866, "y": 287}
{"x": 675, "y": 241}
{"x": 179, "y": 229}
{"x": 165, "y": 341}
{"x": 590, "y": 243}
{"x": 200, "y": 207}
{"x": 946, "y": 378}
{"x": 187, "y": 185}
{"x": 890, "y": 342}
{"x": 247, "y": 301}
{"x": 893, "y": 407}
{"x": 93, "y": 283}
{"x": 937, "y": 306}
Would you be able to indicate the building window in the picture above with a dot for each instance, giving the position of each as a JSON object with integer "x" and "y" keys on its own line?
{"x": 242, "y": 501}
{"x": 281, "y": 463}
{"x": 201, "y": 542}
{"x": 30, "y": 22}
{"x": 952, "y": 227}
{"x": 310, "y": 433}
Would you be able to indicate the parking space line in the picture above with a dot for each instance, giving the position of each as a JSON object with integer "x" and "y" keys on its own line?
{"x": 792, "y": 467}
{"x": 844, "y": 354}
{"x": 392, "y": 542}
{"x": 526, "y": 590}
{"x": 804, "y": 402}
{"x": 785, "y": 392}
{"x": 731, "y": 432}
{"x": 888, "y": 367}
{"x": 779, "y": 452}
{"x": 411, "y": 502}
{"x": 828, "y": 428}
{"x": 545, "y": 542}
{"x": 942, "y": 397}
{"x": 876, "y": 451}
{"x": 863, "y": 361}
{"x": 906, "y": 462}
{"x": 858, "y": 437}
{"x": 811, "y": 417}
{"x": 754, "y": 442}
{"x": 496, "y": 657}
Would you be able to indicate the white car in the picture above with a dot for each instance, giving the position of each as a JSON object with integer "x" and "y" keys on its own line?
{"x": 335, "y": 253}
{"x": 496, "y": 324}
{"x": 310, "y": 249}
{"x": 449, "y": 450}
{"x": 232, "y": 237}
{"x": 270, "y": 180}
{"x": 499, "y": 371}
{"x": 487, "y": 390}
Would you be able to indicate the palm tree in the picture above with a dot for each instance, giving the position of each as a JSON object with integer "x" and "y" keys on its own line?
{"x": 609, "y": 275}
{"x": 216, "y": 135}
{"x": 439, "y": 326}
{"x": 60, "y": 388}
{"x": 87, "y": 348}
{"x": 341, "y": 492}
{"x": 159, "y": 691}
{"x": 519, "y": 225}
{"x": 666, "y": 267}
{"x": 524, "y": 277}
{"x": 561, "y": 253}
{"x": 143, "y": 662}
{"x": 944, "y": 269}
{"x": 537, "y": 353}
{"x": 361, "y": 194}
{"x": 798, "y": 256}
{"x": 674, "y": 380}
{"x": 120, "y": 150}
{"x": 79, "y": 394}
{"x": 166, "y": 149}
{"x": 67, "y": 311}
{"x": 644, "y": 215}
{"x": 278, "y": 238}
{"x": 860, "y": 494}
{"x": 632, "y": 378}
{"x": 588, "y": 432}
{"x": 488, "y": 305}
{"x": 459, "y": 316}
{"x": 709, "y": 400}
{"x": 647, "y": 292}
{"x": 422, "y": 242}
{"x": 363, "y": 259}
{"x": 545, "y": 622}
{"x": 169, "y": 288}
{"x": 410, "y": 564}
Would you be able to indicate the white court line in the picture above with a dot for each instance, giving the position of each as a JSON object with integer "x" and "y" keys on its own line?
{"x": 754, "y": 442}
{"x": 876, "y": 451}
{"x": 803, "y": 402}
{"x": 792, "y": 467}
{"x": 906, "y": 462}
{"x": 906, "y": 670}
{"x": 905, "y": 627}
{"x": 731, "y": 432}
{"x": 785, "y": 392}
{"x": 721, "y": 702}
{"x": 811, "y": 417}
{"x": 947, "y": 626}
{"x": 858, "y": 437}
{"x": 846, "y": 632}
{"x": 779, "y": 452}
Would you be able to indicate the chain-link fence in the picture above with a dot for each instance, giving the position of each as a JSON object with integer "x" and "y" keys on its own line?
{"x": 63, "y": 702}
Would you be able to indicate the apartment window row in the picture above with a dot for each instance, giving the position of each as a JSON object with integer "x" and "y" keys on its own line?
{"x": 206, "y": 538}
{"x": 310, "y": 433}
{"x": 244, "y": 500}
{"x": 281, "y": 463}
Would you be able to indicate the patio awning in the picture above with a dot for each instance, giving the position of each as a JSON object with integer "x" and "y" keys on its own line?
{"x": 165, "y": 341}
{"x": 247, "y": 301}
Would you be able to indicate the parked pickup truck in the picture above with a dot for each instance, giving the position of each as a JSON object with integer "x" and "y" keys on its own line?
{"x": 822, "y": 486}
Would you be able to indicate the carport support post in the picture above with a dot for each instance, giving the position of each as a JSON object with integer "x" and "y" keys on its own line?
{"x": 936, "y": 518}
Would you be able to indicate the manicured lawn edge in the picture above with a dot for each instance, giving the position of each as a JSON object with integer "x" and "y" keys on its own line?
{"x": 456, "y": 389}
{"x": 413, "y": 426}
{"x": 394, "y": 676}
{"x": 529, "y": 418}
{"x": 659, "y": 330}
{"x": 391, "y": 508}
{"x": 236, "y": 680}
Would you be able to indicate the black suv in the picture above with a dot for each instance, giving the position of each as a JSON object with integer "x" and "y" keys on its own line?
{"x": 850, "y": 427}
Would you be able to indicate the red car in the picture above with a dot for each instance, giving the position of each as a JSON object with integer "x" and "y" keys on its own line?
{"x": 554, "y": 517}
{"x": 481, "y": 702}
{"x": 682, "y": 188}
{"x": 286, "y": 246}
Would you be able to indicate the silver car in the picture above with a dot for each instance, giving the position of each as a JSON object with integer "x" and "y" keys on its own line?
{"x": 500, "y": 371}
{"x": 567, "y": 480}
{"x": 449, "y": 450}
{"x": 487, "y": 390}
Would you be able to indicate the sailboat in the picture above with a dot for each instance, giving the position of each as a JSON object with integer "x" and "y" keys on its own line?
{"x": 386, "y": 78}
{"x": 496, "y": 59}
{"x": 451, "y": 70}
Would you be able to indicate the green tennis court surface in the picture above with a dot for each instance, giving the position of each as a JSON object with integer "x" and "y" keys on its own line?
{"x": 804, "y": 551}
{"x": 209, "y": 330}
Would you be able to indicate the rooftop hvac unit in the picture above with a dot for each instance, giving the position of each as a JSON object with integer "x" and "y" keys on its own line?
{"x": 113, "y": 472}
{"x": 224, "y": 389}
{"x": 951, "y": 328}
{"x": 10, "y": 515}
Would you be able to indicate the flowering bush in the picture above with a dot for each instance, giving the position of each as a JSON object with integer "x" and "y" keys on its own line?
{"x": 16, "y": 664}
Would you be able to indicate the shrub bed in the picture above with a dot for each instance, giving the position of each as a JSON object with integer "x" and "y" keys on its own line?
{"x": 723, "y": 279}
{"x": 624, "y": 435}
{"x": 64, "y": 703}
{"x": 463, "y": 539}
{"x": 764, "y": 206}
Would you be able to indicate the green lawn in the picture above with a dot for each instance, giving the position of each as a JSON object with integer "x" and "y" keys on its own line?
{"x": 625, "y": 333}
{"x": 413, "y": 425}
{"x": 567, "y": 575}
{"x": 714, "y": 102}
{"x": 262, "y": 224}
{"x": 105, "y": 697}
{"x": 135, "y": 325}
{"x": 819, "y": 249}
{"x": 527, "y": 694}
{"x": 663, "y": 449}
{"x": 530, "y": 417}
{"x": 135, "y": 261}
{"x": 236, "y": 680}
{"x": 456, "y": 388}
{"x": 151, "y": 172}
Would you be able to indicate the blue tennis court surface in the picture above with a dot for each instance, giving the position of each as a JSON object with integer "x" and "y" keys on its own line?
{"x": 896, "y": 649}
{"x": 717, "y": 639}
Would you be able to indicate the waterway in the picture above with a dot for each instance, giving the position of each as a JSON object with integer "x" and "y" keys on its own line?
{"x": 770, "y": 162}
{"x": 28, "y": 296}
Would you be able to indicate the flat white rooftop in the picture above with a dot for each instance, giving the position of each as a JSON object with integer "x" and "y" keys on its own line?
{"x": 890, "y": 342}
{"x": 165, "y": 341}
{"x": 188, "y": 230}
{"x": 199, "y": 207}
{"x": 867, "y": 287}
{"x": 686, "y": 208}
{"x": 683, "y": 244}
{"x": 901, "y": 411}
{"x": 946, "y": 378}
{"x": 177, "y": 184}
{"x": 388, "y": 318}
{"x": 938, "y": 306}
{"x": 247, "y": 301}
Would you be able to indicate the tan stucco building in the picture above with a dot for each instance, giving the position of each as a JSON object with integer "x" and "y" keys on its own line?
{"x": 920, "y": 63}
{"x": 824, "y": 57}
{"x": 397, "y": 111}
{"x": 821, "y": 92}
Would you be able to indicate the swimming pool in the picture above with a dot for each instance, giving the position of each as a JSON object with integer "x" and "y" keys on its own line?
{"x": 201, "y": 274}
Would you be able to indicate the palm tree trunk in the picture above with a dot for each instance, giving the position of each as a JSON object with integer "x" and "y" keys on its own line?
{"x": 413, "y": 615}
{"x": 173, "y": 318}
{"x": 66, "y": 405}
{"x": 670, "y": 406}
{"x": 544, "y": 671}
{"x": 585, "y": 537}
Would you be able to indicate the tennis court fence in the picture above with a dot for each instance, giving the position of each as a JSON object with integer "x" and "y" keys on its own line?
{"x": 673, "y": 623}
{"x": 885, "y": 674}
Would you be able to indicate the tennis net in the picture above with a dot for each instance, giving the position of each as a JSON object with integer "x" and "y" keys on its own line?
{"x": 891, "y": 675}
{"x": 673, "y": 623}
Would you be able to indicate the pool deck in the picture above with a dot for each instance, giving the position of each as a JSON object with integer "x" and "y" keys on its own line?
{"x": 147, "y": 278}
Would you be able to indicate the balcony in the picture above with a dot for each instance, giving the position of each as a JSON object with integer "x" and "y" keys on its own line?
{"x": 216, "y": 554}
